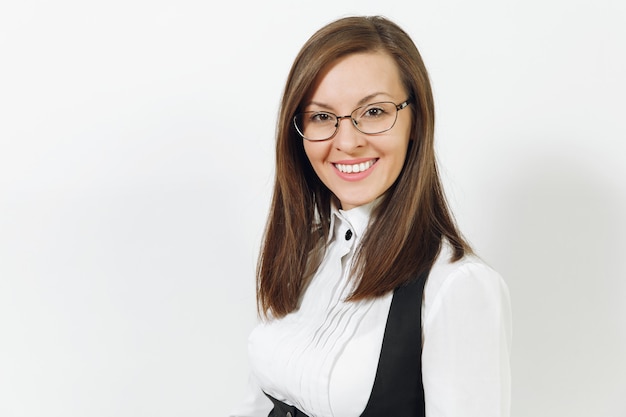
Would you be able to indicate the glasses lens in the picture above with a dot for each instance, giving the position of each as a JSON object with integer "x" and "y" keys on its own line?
{"x": 316, "y": 125}
{"x": 375, "y": 117}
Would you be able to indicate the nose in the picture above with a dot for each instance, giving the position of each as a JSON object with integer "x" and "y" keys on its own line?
{"x": 347, "y": 137}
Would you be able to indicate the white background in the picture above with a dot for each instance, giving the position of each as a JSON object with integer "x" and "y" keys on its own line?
{"x": 136, "y": 158}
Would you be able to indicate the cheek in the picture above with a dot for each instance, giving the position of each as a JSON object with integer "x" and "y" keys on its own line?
{"x": 398, "y": 156}
{"x": 314, "y": 152}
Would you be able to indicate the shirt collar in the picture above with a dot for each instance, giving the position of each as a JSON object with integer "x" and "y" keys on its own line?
{"x": 357, "y": 218}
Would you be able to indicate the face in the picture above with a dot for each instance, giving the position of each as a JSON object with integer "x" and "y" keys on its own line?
{"x": 346, "y": 84}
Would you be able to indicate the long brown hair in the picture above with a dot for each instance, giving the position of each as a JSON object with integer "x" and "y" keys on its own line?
{"x": 408, "y": 225}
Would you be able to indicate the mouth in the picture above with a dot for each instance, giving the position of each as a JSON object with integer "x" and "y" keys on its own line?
{"x": 355, "y": 168}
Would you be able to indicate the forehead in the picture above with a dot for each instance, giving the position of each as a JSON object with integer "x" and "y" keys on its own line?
{"x": 350, "y": 79}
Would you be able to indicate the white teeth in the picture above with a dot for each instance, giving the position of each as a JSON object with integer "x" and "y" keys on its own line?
{"x": 355, "y": 167}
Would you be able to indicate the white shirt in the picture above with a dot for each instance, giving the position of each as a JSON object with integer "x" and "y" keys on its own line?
{"x": 322, "y": 358}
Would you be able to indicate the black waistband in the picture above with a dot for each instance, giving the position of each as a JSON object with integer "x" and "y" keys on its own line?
{"x": 283, "y": 410}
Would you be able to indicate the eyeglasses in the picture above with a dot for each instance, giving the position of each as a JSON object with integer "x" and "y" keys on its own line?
{"x": 369, "y": 119}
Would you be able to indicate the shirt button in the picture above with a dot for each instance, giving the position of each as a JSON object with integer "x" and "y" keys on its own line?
{"x": 349, "y": 234}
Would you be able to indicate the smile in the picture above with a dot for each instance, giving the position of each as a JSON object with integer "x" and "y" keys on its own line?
{"x": 355, "y": 168}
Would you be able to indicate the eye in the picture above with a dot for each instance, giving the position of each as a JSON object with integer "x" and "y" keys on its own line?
{"x": 373, "y": 112}
{"x": 320, "y": 117}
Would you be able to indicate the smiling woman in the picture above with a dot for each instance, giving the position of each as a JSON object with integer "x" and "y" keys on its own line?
{"x": 373, "y": 303}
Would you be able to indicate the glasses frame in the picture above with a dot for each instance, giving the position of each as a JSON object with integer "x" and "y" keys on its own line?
{"x": 398, "y": 107}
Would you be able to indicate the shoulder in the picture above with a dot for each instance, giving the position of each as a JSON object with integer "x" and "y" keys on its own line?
{"x": 467, "y": 285}
{"x": 466, "y": 339}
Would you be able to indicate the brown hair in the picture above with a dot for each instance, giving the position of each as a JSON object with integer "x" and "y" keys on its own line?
{"x": 407, "y": 227}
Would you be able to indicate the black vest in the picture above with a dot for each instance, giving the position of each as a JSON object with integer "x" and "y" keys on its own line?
{"x": 398, "y": 388}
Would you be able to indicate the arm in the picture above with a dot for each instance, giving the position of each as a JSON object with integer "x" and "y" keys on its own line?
{"x": 467, "y": 339}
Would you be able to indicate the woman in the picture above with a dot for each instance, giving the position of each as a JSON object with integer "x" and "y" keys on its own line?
{"x": 373, "y": 303}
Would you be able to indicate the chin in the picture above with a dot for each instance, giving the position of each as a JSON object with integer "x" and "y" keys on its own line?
{"x": 348, "y": 204}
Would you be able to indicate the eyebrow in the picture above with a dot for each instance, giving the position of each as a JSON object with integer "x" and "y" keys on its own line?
{"x": 364, "y": 100}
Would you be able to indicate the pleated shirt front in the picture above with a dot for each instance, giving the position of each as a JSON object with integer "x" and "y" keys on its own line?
{"x": 297, "y": 358}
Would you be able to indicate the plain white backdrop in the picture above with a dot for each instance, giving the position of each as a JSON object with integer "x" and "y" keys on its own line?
{"x": 136, "y": 163}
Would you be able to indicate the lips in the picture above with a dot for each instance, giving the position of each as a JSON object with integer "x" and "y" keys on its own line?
{"x": 355, "y": 168}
